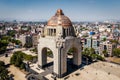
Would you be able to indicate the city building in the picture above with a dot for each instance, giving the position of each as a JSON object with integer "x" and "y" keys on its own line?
{"x": 26, "y": 39}
{"x": 35, "y": 38}
{"x": 108, "y": 46}
{"x": 22, "y": 38}
{"x": 92, "y": 42}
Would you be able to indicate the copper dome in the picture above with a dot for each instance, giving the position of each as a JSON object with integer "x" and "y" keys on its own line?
{"x": 59, "y": 19}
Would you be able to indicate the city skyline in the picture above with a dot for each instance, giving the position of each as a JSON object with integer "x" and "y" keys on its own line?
{"x": 79, "y": 10}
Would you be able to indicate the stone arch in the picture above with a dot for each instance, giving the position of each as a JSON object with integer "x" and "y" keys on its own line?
{"x": 43, "y": 54}
{"x": 76, "y": 54}
{"x": 47, "y": 48}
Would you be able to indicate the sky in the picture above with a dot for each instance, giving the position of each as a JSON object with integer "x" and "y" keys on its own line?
{"x": 76, "y": 10}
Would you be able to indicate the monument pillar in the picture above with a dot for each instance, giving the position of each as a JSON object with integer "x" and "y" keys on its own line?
{"x": 60, "y": 65}
{"x": 77, "y": 59}
{"x": 42, "y": 60}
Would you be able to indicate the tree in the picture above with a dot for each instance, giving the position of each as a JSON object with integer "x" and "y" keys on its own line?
{"x": 105, "y": 53}
{"x": 3, "y": 45}
{"x": 17, "y": 59}
{"x": 92, "y": 50}
{"x": 2, "y": 63}
{"x": 114, "y": 41}
{"x": 93, "y": 56}
{"x": 90, "y": 54}
{"x": 100, "y": 58}
{"x": 86, "y": 52}
{"x": 104, "y": 39}
{"x": 3, "y": 71}
{"x": 28, "y": 45}
{"x": 71, "y": 51}
{"x": 13, "y": 59}
{"x": 28, "y": 57}
{"x": 11, "y": 33}
{"x": 22, "y": 66}
{"x": 116, "y": 52}
{"x": 7, "y": 38}
{"x": 34, "y": 50}
{"x": 17, "y": 42}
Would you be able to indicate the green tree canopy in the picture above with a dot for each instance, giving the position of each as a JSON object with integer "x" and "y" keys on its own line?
{"x": 105, "y": 53}
{"x": 28, "y": 45}
{"x": 3, "y": 46}
{"x": 18, "y": 58}
{"x": 114, "y": 41}
{"x": 11, "y": 33}
{"x": 3, "y": 71}
{"x": 90, "y": 53}
{"x": 116, "y": 52}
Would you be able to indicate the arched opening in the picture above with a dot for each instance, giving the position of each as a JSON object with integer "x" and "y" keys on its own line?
{"x": 47, "y": 57}
{"x": 72, "y": 59}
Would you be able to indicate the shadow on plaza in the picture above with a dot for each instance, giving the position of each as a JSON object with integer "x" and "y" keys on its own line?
{"x": 7, "y": 65}
{"x": 70, "y": 67}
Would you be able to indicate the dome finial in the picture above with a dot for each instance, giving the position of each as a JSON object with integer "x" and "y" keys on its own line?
{"x": 59, "y": 12}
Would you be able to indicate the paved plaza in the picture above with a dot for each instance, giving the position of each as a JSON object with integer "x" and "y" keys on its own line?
{"x": 95, "y": 71}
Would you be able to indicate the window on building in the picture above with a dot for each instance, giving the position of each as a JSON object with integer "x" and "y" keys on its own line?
{"x": 54, "y": 32}
{"x": 51, "y": 32}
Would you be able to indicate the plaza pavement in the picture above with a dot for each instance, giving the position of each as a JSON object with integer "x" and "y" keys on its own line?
{"x": 29, "y": 52}
{"x": 95, "y": 71}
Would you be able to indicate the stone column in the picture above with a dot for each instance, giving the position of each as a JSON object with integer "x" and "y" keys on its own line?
{"x": 68, "y": 31}
{"x": 77, "y": 58}
{"x": 60, "y": 65}
{"x": 49, "y": 32}
{"x": 65, "y": 32}
{"x": 42, "y": 58}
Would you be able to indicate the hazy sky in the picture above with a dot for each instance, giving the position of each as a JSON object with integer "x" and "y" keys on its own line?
{"x": 76, "y": 10}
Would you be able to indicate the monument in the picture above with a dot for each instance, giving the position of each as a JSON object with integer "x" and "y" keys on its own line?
{"x": 59, "y": 36}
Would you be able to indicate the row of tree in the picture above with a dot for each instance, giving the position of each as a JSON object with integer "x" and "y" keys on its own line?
{"x": 3, "y": 44}
{"x": 11, "y": 33}
{"x": 5, "y": 40}
{"x": 91, "y": 54}
{"x": 19, "y": 57}
{"x": 17, "y": 60}
{"x": 17, "y": 42}
{"x": 116, "y": 52}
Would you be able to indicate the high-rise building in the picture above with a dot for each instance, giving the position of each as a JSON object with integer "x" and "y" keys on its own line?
{"x": 92, "y": 43}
